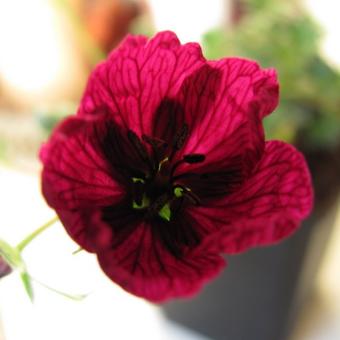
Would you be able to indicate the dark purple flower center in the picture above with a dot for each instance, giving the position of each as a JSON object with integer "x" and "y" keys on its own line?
{"x": 157, "y": 189}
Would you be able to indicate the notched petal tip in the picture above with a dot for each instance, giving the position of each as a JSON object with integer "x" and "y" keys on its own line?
{"x": 167, "y": 39}
{"x": 266, "y": 89}
{"x": 137, "y": 76}
{"x": 302, "y": 184}
{"x": 132, "y": 41}
{"x": 250, "y": 84}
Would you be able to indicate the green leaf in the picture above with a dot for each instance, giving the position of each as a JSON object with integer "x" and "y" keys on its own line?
{"x": 26, "y": 280}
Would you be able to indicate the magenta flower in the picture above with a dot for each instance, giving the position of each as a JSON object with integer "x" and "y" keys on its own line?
{"x": 165, "y": 167}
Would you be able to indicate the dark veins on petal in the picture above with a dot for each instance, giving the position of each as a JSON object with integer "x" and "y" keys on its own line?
{"x": 147, "y": 167}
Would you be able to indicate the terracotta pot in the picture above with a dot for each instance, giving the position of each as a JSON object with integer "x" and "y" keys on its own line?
{"x": 108, "y": 21}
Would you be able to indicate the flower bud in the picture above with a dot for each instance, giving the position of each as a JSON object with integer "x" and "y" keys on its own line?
{"x": 5, "y": 269}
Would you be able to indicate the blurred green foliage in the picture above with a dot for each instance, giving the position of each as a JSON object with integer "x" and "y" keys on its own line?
{"x": 282, "y": 35}
{"x": 48, "y": 118}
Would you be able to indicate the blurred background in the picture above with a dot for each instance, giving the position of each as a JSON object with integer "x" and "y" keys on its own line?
{"x": 290, "y": 291}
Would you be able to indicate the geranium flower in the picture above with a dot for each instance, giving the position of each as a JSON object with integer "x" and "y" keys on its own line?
{"x": 164, "y": 167}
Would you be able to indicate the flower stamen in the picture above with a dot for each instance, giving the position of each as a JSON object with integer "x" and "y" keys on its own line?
{"x": 179, "y": 139}
{"x": 157, "y": 192}
{"x": 155, "y": 144}
{"x": 190, "y": 159}
{"x": 157, "y": 205}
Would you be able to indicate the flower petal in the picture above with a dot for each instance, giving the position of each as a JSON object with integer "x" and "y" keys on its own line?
{"x": 141, "y": 265}
{"x": 268, "y": 207}
{"x": 266, "y": 92}
{"x": 86, "y": 228}
{"x": 138, "y": 76}
{"x": 224, "y": 103}
{"x": 75, "y": 173}
{"x": 168, "y": 120}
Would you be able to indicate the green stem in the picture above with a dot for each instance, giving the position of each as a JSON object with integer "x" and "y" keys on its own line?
{"x": 35, "y": 233}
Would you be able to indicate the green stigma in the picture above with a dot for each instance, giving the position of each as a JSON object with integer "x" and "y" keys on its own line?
{"x": 136, "y": 180}
{"x": 165, "y": 212}
{"x": 145, "y": 203}
{"x": 178, "y": 192}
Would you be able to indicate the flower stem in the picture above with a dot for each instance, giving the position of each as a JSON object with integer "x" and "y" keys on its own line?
{"x": 35, "y": 233}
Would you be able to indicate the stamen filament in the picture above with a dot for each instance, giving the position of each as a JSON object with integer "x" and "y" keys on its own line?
{"x": 175, "y": 166}
{"x": 190, "y": 159}
{"x": 186, "y": 175}
{"x": 180, "y": 137}
{"x": 140, "y": 148}
{"x": 185, "y": 191}
{"x": 179, "y": 140}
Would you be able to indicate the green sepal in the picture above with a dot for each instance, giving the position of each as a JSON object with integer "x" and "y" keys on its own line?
{"x": 26, "y": 280}
{"x": 14, "y": 259}
{"x": 11, "y": 255}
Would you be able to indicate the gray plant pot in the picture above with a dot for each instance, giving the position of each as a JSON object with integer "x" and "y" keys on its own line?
{"x": 260, "y": 293}
{"x": 252, "y": 297}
